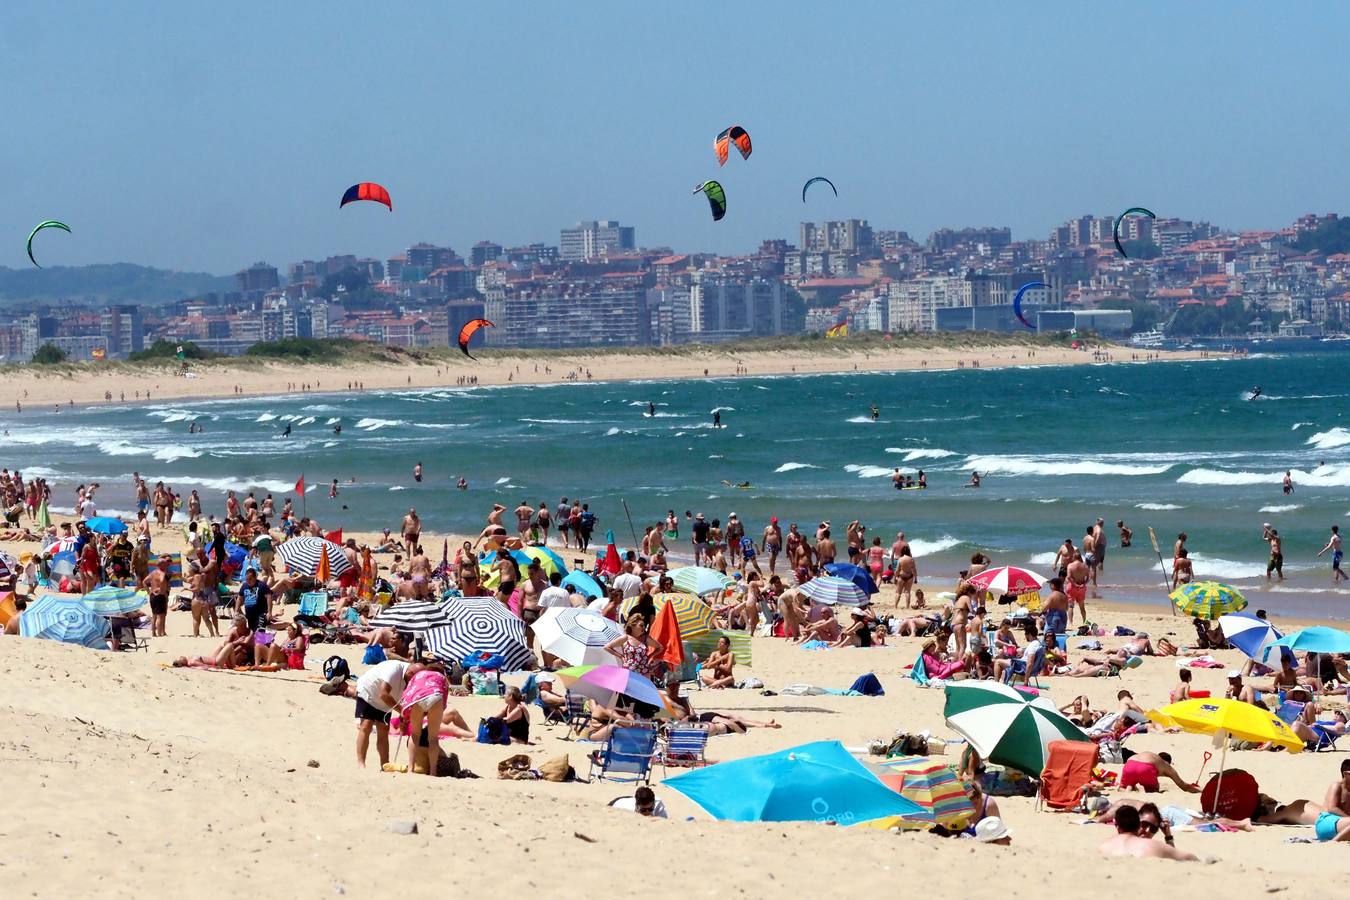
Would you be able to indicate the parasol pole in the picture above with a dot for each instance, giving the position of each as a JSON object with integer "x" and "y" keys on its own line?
{"x": 1221, "y": 738}
{"x": 304, "y": 507}
{"x": 1167, "y": 579}
{"x": 631, "y": 529}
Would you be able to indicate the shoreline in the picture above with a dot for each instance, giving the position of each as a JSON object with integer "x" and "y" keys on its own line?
{"x": 238, "y": 379}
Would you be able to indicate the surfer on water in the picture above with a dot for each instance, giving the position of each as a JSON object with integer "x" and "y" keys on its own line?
{"x": 876, "y": 413}
{"x": 1256, "y": 392}
{"x": 717, "y": 418}
{"x": 651, "y": 409}
{"x": 287, "y": 432}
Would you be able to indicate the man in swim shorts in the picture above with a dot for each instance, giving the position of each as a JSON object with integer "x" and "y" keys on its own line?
{"x": 156, "y": 586}
{"x": 1334, "y": 545}
{"x": 772, "y": 543}
{"x": 412, "y": 530}
{"x": 1333, "y": 822}
{"x": 1142, "y": 771}
{"x": 1057, "y": 608}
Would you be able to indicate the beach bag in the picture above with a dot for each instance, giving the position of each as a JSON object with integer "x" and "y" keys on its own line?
{"x": 335, "y": 666}
{"x": 484, "y": 661}
{"x": 557, "y": 769}
{"x": 1122, "y": 631}
{"x": 493, "y": 730}
{"x": 516, "y": 768}
{"x": 374, "y": 655}
{"x": 868, "y": 686}
{"x": 1111, "y": 752}
{"x": 485, "y": 684}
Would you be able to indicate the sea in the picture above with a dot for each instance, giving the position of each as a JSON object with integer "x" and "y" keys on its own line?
{"x": 1172, "y": 446}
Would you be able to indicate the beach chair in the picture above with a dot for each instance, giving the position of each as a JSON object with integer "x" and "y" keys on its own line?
{"x": 691, "y": 667}
{"x": 629, "y": 751}
{"x": 575, "y": 715}
{"x": 1029, "y": 673}
{"x": 313, "y": 605}
{"x": 685, "y": 745}
{"x": 1291, "y": 711}
{"x": 127, "y": 639}
{"x": 1067, "y": 772}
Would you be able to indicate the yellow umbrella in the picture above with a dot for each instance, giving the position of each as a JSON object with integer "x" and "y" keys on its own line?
{"x": 1227, "y": 718}
{"x": 695, "y": 617}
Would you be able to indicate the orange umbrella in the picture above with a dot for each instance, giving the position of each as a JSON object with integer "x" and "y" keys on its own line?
{"x": 666, "y": 631}
{"x": 321, "y": 572}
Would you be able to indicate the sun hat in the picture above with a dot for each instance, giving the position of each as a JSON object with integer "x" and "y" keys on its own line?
{"x": 1233, "y": 673}
{"x": 991, "y": 828}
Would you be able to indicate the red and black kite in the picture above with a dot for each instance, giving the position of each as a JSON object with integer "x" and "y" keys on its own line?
{"x": 468, "y": 331}
{"x": 367, "y": 190}
{"x": 733, "y": 135}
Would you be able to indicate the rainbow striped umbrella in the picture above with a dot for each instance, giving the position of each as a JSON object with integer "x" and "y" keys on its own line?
{"x": 549, "y": 561}
{"x": 695, "y": 617}
{"x": 1208, "y": 599}
{"x": 931, "y": 785}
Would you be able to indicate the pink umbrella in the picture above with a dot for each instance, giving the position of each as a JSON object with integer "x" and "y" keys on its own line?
{"x": 1007, "y": 580}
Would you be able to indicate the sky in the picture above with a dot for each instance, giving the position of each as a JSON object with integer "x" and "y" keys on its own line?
{"x": 208, "y": 136}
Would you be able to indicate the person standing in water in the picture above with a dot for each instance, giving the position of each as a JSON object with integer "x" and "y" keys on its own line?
{"x": 287, "y": 432}
{"x": 651, "y": 409}
{"x": 876, "y": 413}
{"x": 417, "y": 473}
{"x": 1334, "y": 545}
{"x": 717, "y": 419}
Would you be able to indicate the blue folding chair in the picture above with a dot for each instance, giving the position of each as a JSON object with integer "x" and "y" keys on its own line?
{"x": 574, "y": 715}
{"x": 630, "y": 750}
{"x": 314, "y": 604}
{"x": 1029, "y": 673}
{"x": 685, "y": 745}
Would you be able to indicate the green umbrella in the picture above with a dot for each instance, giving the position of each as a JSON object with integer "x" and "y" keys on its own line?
{"x": 1007, "y": 726}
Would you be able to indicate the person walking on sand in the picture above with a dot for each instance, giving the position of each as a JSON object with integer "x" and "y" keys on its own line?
{"x": 1334, "y": 545}
{"x": 412, "y": 530}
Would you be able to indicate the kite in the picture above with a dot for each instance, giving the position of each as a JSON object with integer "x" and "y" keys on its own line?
{"x": 813, "y": 181}
{"x": 468, "y": 331}
{"x": 717, "y": 198}
{"x": 50, "y": 223}
{"x": 367, "y": 190}
{"x": 1115, "y": 232}
{"x": 733, "y": 135}
{"x": 1017, "y": 300}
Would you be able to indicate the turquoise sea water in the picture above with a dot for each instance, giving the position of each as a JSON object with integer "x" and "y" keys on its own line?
{"x": 1178, "y": 446}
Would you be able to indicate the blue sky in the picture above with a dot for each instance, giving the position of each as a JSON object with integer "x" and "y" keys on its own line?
{"x": 208, "y": 136}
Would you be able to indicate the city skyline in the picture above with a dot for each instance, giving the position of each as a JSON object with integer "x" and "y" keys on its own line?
{"x": 204, "y": 141}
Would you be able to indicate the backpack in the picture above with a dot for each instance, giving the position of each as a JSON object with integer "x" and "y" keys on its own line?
{"x": 588, "y": 520}
{"x": 335, "y": 666}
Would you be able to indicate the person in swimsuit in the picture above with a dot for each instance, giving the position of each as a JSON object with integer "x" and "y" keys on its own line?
{"x": 516, "y": 716}
{"x": 422, "y": 707}
{"x": 637, "y": 651}
{"x": 1334, "y": 545}
{"x": 1333, "y": 822}
{"x": 1143, "y": 770}
{"x": 289, "y": 654}
{"x": 417, "y": 473}
{"x": 717, "y": 668}
{"x": 1276, "y": 563}
{"x": 412, "y": 530}
{"x": 156, "y": 586}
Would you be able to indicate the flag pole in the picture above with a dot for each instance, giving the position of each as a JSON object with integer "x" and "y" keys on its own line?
{"x": 631, "y": 529}
{"x": 304, "y": 506}
{"x": 1167, "y": 580}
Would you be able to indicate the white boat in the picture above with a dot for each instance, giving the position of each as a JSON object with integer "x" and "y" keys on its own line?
{"x": 1152, "y": 340}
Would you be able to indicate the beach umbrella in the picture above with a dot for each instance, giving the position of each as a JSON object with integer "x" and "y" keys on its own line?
{"x": 1007, "y": 726}
{"x": 1251, "y": 635}
{"x": 64, "y": 619}
{"x": 577, "y": 636}
{"x": 831, "y": 590}
{"x": 64, "y": 563}
{"x": 621, "y": 552}
{"x": 699, "y": 580}
{"x": 693, "y": 615}
{"x": 114, "y": 601}
{"x": 1007, "y": 580}
{"x": 481, "y": 625}
{"x": 583, "y": 583}
{"x": 856, "y": 574}
{"x": 323, "y": 571}
{"x": 606, "y": 683}
{"x": 610, "y": 559}
{"x": 302, "y": 555}
{"x": 549, "y": 561}
{"x": 930, "y": 784}
{"x": 106, "y": 525}
{"x": 1208, "y": 599}
{"x": 1318, "y": 639}
{"x": 64, "y": 545}
{"x": 816, "y": 782}
{"x": 414, "y": 616}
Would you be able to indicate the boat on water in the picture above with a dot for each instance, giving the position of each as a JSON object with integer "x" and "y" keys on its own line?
{"x": 1148, "y": 340}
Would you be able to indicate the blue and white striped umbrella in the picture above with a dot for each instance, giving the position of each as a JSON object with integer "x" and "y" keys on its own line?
{"x": 576, "y": 635}
{"x": 414, "y": 615}
{"x": 301, "y": 556}
{"x": 110, "y": 600}
{"x": 481, "y": 625}
{"x": 831, "y": 590}
{"x": 64, "y": 619}
{"x": 1253, "y": 636}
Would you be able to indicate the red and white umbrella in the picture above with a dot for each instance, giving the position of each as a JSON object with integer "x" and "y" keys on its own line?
{"x": 1007, "y": 580}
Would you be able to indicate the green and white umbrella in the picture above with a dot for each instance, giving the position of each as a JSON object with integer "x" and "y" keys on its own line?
{"x": 1005, "y": 725}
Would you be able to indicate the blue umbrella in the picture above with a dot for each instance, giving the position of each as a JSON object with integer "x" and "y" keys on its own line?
{"x": 817, "y": 782}
{"x": 830, "y": 590}
{"x": 64, "y": 563}
{"x": 106, "y": 525}
{"x": 583, "y": 583}
{"x": 1318, "y": 639}
{"x": 113, "y": 601}
{"x": 856, "y": 574}
{"x": 1252, "y": 635}
{"x": 64, "y": 619}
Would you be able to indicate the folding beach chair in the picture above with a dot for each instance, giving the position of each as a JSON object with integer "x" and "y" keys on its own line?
{"x": 685, "y": 745}
{"x": 1067, "y": 772}
{"x": 313, "y": 606}
{"x": 629, "y": 751}
{"x": 1029, "y": 673}
{"x": 127, "y": 639}
{"x": 1291, "y": 710}
{"x": 575, "y": 715}
{"x": 690, "y": 668}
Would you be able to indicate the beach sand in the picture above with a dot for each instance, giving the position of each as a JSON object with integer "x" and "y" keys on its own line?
{"x": 125, "y": 778}
{"x": 40, "y": 386}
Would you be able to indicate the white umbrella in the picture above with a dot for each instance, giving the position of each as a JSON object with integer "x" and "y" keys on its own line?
{"x": 576, "y": 635}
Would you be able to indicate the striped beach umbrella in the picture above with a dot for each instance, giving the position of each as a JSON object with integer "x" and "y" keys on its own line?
{"x": 576, "y": 636}
{"x": 1208, "y": 599}
{"x": 1007, "y": 726}
{"x": 414, "y": 616}
{"x": 932, "y": 786}
{"x": 831, "y": 590}
{"x": 699, "y": 580}
{"x": 694, "y": 616}
{"x": 856, "y": 574}
{"x": 1252, "y": 635}
{"x": 302, "y": 555}
{"x": 1007, "y": 580}
{"x": 64, "y": 619}
{"x": 110, "y": 600}
{"x": 481, "y": 625}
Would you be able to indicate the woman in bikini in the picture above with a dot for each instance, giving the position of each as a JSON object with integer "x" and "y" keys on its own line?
{"x": 289, "y": 654}
{"x": 638, "y": 652}
{"x": 717, "y": 670}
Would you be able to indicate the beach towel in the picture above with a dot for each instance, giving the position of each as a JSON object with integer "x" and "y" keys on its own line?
{"x": 802, "y": 690}
{"x": 920, "y": 672}
{"x": 1200, "y": 662}
{"x": 868, "y": 686}
{"x": 815, "y": 645}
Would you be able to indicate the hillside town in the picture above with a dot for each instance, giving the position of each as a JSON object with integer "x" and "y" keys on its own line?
{"x": 1175, "y": 279}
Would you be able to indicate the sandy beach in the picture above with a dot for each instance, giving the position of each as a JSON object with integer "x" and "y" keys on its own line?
{"x": 249, "y": 376}
{"x": 124, "y": 777}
